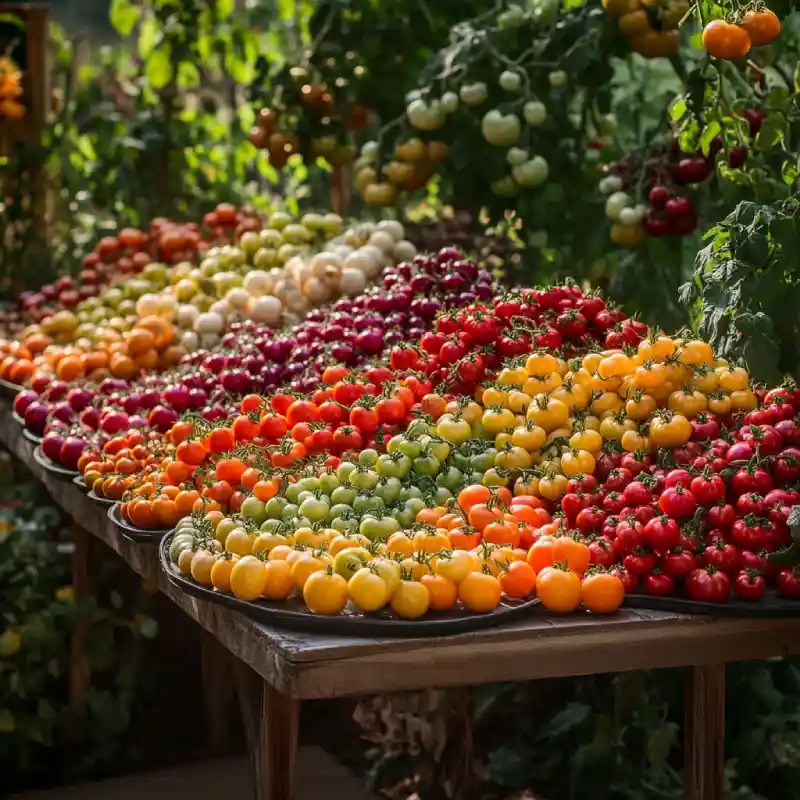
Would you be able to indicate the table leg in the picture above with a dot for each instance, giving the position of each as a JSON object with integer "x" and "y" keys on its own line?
{"x": 704, "y": 748}
{"x": 271, "y": 723}
{"x": 217, "y": 693}
{"x": 79, "y": 667}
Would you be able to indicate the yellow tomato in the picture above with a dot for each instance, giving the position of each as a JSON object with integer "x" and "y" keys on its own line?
{"x": 689, "y": 403}
{"x": 613, "y": 428}
{"x": 572, "y": 395}
{"x": 649, "y": 375}
{"x": 368, "y": 590}
{"x": 453, "y": 429}
{"x": 591, "y": 362}
{"x": 527, "y": 488}
{"x": 607, "y": 402}
{"x": 410, "y": 600}
{"x": 577, "y": 462}
{"x": 640, "y": 406}
{"x": 719, "y": 403}
{"x": 531, "y": 437}
{"x": 548, "y": 413}
{"x": 455, "y": 565}
{"x": 617, "y": 365}
{"x": 512, "y": 376}
{"x": 696, "y": 352}
{"x": 666, "y": 431}
{"x": 391, "y": 573}
{"x": 248, "y": 578}
{"x": 493, "y": 478}
{"x": 633, "y": 441}
{"x": 202, "y": 565}
{"x": 541, "y": 364}
{"x": 496, "y": 419}
{"x": 535, "y": 385}
{"x": 513, "y": 458}
{"x": 591, "y": 422}
{"x": 743, "y": 400}
{"x": 706, "y": 379}
{"x": 325, "y": 592}
{"x": 518, "y": 401}
{"x": 502, "y": 439}
{"x": 553, "y": 487}
{"x": 493, "y": 396}
{"x": 306, "y": 565}
{"x": 658, "y": 349}
{"x": 733, "y": 380}
{"x": 588, "y": 440}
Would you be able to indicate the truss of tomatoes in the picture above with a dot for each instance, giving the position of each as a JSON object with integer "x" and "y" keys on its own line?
{"x": 703, "y": 527}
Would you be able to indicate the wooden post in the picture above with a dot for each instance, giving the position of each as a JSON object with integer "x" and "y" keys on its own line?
{"x": 80, "y": 669}
{"x": 217, "y": 694}
{"x": 704, "y": 742}
{"x": 271, "y": 724}
{"x": 340, "y": 190}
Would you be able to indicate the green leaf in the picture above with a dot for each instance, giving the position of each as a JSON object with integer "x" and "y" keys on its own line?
{"x": 564, "y": 721}
{"x": 124, "y": 16}
{"x": 773, "y": 129}
{"x": 148, "y": 37}
{"x": 225, "y": 8}
{"x": 710, "y": 132}
{"x": 661, "y": 742}
{"x": 158, "y": 69}
{"x": 790, "y": 172}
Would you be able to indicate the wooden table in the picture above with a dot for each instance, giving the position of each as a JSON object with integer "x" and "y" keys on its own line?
{"x": 276, "y": 669}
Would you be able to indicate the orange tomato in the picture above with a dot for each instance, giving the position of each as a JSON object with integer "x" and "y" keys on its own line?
{"x": 480, "y": 592}
{"x": 558, "y": 589}
{"x": 519, "y": 580}
{"x": 443, "y": 592}
{"x": 481, "y": 515}
{"x": 602, "y": 593}
{"x": 473, "y": 495}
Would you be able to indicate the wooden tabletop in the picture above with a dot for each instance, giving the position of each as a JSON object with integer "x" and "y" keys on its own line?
{"x": 541, "y": 646}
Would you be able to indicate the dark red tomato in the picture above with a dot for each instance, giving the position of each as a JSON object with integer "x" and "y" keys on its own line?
{"x": 749, "y": 533}
{"x": 637, "y": 494}
{"x": 472, "y": 368}
{"x": 482, "y": 328}
{"x": 693, "y": 169}
{"x": 678, "y": 563}
{"x": 507, "y": 308}
{"x": 708, "y": 585}
{"x": 630, "y": 535}
{"x": 640, "y": 561}
{"x": 723, "y": 556}
{"x": 782, "y": 497}
{"x": 749, "y": 585}
{"x": 365, "y": 419}
{"x": 591, "y": 306}
{"x": 635, "y": 463}
{"x": 347, "y": 438}
{"x": 451, "y": 352}
{"x": 629, "y": 581}
{"x": 332, "y": 413}
{"x": 788, "y": 582}
{"x": 320, "y": 441}
{"x": 721, "y": 516}
{"x": 448, "y": 324}
{"x": 781, "y": 410}
{"x": 750, "y": 503}
{"x": 789, "y": 431}
{"x": 662, "y": 534}
{"x": 753, "y": 560}
{"x": 740, "y": 451}
{"x": 677, "y": 503}
{"x": 601, "y": 552}
{"x": 644, "y": 514}
{"x": 786, "y": 467}
{"x": 347, "y": 392}
{"x": 389, "y": 409}
{"x": 705, "y": 426}
{"x": 582, "y": 483}
{"x": 708, "y": 489}
{"x": 590, "y": 520}
{"x": 618, "y": 479}
{"x": 659, "y": 584}
{"x": 678, "y": 477}
{"x": 760, "y": 416}
{"x": 549, "y": 339}
{"x": 613, "y": 503}
{"x": 764, "y": 438}
{"x": 573, "y": 503}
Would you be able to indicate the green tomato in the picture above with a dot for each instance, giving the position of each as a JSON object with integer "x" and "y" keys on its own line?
{"x": 364, "y": 503}
{"x": 272, "y": 525}
{"x": 492, "y": 478}
{"x": 412, "y": 492}
{"x": 442, "y": 495}
{"x": 328, "y": 482}
{"x": 347, "y": 563}
{"x": 224, "y": 527}
{"x": 315, "y": 509}
{"x": 389, "y": 490}
{"x": 304, "y": 495}
{"x": 427, "y": 464}
{"x": 460, "y": 460}
{"x": 344, "y": 525}
{"x": 400, "y": 444}
{"x": 473, "y": 478}
{"x": 311, "y": 483}
{"x": 289, "y": 512}
{"x": 405, "y": 517}
{"x": 275, "y": 506}
{"x": 338, "y": 509}
{"x": 479, "y": 432}
{"x": 418, "y": 428}
{"x": 440, "y": 449}
{"x": 483, "y": 461}
{"x": 454, "y": 431}
{"x": 415, "y": 505}
{"x": 181, "y": 542}
{"x": 368, "y": 457}
{"x": 344, "y": 494}
{"x": 393, "y": 466}
{"x": 293, "y": 491}
{"x": 364, "y": 479}
{"x": 255, "y": 509}
{"x": 451, "y": 478}
{"x": 345, "y": 470}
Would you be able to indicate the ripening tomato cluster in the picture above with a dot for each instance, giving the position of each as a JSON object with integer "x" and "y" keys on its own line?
{"x": 469, "y": 346}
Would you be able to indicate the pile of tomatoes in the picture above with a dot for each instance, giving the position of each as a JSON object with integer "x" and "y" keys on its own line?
{"x": 732, "y": 39}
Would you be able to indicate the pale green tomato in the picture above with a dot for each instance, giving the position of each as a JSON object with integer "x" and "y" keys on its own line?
{"x": 535, "y": 113}
{"x": 289, "y": 512}
{"x": 368, "y": 457}
{"x": 345, "y": 470}
{"x": 255, "y": 509}
{"x": 328, "y": 482}
{"x": 427, "y": 464}
{"x": 315, "y": 509}
{"x": 455, "y": 431}
{"x": 344, "y": 494}
{"x": 365, "y": 503}
{"x": 393, "y": 465}
{"x": 439, "y": 448}
{"x": 274, "y": 507}
{"x": 364, "y": 479}
{"x": 501, "y": 130}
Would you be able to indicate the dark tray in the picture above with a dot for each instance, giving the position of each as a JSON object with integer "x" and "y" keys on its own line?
{"x": 770, "y": 605}
{"x": 292, "y": 613}
{"x": 78, "y": 481}
{"x": 48, "y": 466}
{"x": 8, "y": 389}
{"x": 17, "y": 418}
{"x": 31, "y": 437}
{"x": 138, "y": 535}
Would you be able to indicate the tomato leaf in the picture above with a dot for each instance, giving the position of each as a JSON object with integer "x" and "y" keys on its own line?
{"x": 564, "y": 721}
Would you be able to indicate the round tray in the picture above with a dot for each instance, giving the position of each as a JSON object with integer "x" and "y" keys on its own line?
{"x": 138, "y": 535}
{"x": 8, "y": 389}
{"x": 46, "y": 464}
{"x": 292, "y": 613}
{"x": 17, "y": 418}
{"x": 78, "y": 481}
{"x": 31, "y": 437}
{"x": 103, "y": 501}
{"x": 770, "y": 605}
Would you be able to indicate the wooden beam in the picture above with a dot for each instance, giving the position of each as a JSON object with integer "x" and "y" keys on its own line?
{"x": 80, "y": 669}
{"x": 704, "y": 748}
{"x": 217, "y": 694}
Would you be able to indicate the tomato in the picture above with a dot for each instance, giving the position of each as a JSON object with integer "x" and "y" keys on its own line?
{"x": 558, "y": 589}
{"x": 662, "y": 534}
{"x": 480, "y": 592}
{"x": 519, "y": 580}
{"x": 677, "y": 503}
{"x": 659, "y": 584}
{"x": 248, "y": 578}
{"x": 601, "y": 552}
{"x": 708, "y": 585}
{"x": 640, "y": 561}
{"x": 788, "y": 582}
{"x": 721, "y": 516}
{"x": 708, "y": 490}
{"x": 368, "y": 590}
{"x": 325, "y": 591}
{"x": 630, "y": 535}
{"x": 637, "y": 493}
{"x": 666, "y": 431}
{"x": 749, "y": 585}
{"x": 678, "y": 562}
{"x": 723, "y": 556}
{"x": 602, "y": 592}
{"x": 364, "y": 418}
{"x": 630, "y": 582}
{"x": 763, "y": 26}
